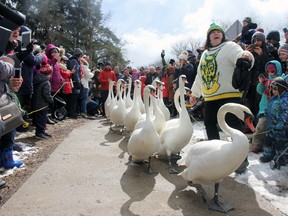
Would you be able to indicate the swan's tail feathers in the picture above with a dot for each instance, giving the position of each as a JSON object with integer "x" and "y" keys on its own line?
{"x": 184, "y": 174}
{"x": 182, "y": 161}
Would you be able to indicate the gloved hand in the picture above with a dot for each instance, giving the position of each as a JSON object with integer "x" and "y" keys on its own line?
{"x": 279, "y": 126}
{"x": 162, "y": 54}
{"x": 51, "y": 105}
{"x": 77, "y": 85}
{"x": 22, "y": 54}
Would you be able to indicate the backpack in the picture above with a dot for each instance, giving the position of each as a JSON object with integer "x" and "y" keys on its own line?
{"x": 241, "y": 78}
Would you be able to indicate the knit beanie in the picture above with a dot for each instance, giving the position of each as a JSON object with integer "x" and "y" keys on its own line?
{"x": 85, "y": 57}
{"x": 271, "y": 67}
{"x": 78, "y": 52}
{"x": 172, "y": 61}
{"x": 275, "y": 35}
{"x": 183, "y": 55}
{"x": 45, "y": 68}
{"x": 213, "y": 27}
{"x": 259, "y": 36}
{"x": 64, "y": 58}
{"x": 283, "y": 48}
{"x": 107, "y": 63}
{"x": 281, "y": 84}
{"x": 248, "y": 20}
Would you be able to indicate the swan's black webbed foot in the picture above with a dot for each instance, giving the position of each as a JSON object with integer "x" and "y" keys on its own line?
{"x": 216, "y": 205}
{"x": 201, "y": 190}
{"x": 171, "y": 169}
{"x": 149, "y": 169}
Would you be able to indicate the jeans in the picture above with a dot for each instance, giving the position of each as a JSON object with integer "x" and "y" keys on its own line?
{"x": 7, "y": 140}
{"x": 83, "y": 101}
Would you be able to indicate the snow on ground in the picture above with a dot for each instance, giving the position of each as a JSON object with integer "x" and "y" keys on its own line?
{"x": 28, "y": 150}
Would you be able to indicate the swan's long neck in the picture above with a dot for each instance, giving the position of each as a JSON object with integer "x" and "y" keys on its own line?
{"x": 118, "y": 88}
{"x": 146, "y": 104}
{"x": 136, "y": 95}
{"x": 222, "y": 123}
{"x": 176, "y": 100}
{"x": 155, "y": 106}
{"x": 184, "y": 112}
{"x": 129, "y": 87}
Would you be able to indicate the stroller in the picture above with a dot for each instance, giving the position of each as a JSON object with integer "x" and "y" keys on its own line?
{"x": 58, "y": 110}
{"x": 196, "y": 112}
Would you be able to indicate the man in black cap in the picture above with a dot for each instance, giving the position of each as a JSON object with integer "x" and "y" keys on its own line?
{"x": 105, "y": 76}
{"x": 74, "y": 64}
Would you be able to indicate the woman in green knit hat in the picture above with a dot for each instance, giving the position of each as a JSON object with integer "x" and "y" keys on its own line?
{"x": 214, "y": 80}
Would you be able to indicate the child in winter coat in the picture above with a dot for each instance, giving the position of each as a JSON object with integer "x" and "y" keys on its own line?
{"x": 272, "y": 70}
{"x": 283, "y": 56}
{"x": 42, "y": 99}
{"x": 277, "y": 128}
{"x": 66, "y": 74}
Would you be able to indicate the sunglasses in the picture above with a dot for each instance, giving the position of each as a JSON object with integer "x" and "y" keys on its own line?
{"x": 274, "y": 88}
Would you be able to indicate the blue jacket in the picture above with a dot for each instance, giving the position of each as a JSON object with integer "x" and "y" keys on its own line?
{"x": 263, "y": 89}
{"x": 27, "y": 71}
{"x": 277, "y": 119}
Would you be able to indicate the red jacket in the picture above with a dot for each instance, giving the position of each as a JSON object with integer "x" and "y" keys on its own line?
{"x": 66, "y": 74}
{"x": 104, "y": 77}
{"x": 166, "y": 90}
{"x": 142, "y": 79}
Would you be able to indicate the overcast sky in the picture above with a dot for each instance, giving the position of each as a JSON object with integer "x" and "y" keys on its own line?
{"x": 148, "y": 26}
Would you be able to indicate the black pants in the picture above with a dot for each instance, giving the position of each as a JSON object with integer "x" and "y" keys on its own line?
{"x": 210, "y": 117}
{"x": 104, "y": 95}
{"x": 71, "y": 104}
{"x": 40, "y": 119}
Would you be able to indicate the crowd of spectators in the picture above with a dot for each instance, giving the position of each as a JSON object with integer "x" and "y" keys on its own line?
{"x": 47, "y": 72}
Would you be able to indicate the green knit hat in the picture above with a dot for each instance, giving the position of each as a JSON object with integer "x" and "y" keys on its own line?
{"x": 213, "y": 27}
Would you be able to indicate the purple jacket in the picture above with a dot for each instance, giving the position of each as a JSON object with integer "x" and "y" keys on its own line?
{"x": 56, "y": 79}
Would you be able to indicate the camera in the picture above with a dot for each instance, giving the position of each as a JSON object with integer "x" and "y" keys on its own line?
{"x": 253, "y": 46}
{"x": 9, "y": 21}
{"x": 17, "y": 73}
{"x": 25, "y": 40}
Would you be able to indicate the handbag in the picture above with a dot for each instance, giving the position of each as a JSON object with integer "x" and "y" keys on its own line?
{"x": 10, "y": 114}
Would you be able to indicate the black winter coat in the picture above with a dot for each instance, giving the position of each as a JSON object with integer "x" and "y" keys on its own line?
{"x": 42, "y": 92}
{"x": 190, "y": 73}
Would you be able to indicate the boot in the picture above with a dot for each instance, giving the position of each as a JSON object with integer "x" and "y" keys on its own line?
{"x": 7, "y": 159}
{"x": 2, "y": 183}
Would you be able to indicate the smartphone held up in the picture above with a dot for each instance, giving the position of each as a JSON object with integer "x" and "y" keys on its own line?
{"x": 25, "y": 40}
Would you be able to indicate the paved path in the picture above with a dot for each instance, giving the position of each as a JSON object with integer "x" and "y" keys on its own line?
{"x": 87, "y": 176}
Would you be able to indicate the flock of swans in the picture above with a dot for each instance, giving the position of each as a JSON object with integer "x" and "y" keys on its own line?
{"x": 152, "y": 133}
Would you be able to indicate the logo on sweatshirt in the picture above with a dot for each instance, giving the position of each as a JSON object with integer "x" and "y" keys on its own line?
{"x": 210, "y": 74}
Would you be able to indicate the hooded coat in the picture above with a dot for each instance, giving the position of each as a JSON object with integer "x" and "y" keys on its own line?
{"x": 56, "y": 79}
{"x": 42, "y": 92}
{"x": 263, "y": 89}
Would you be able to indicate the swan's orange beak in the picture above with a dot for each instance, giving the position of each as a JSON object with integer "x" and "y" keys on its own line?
{"x": 249, "y": 121}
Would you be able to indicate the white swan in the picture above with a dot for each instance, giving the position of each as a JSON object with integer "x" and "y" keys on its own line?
{"x": 173, "y": 122}
{"x": 161, "y": 104}
{"x": 156, "y": 116}
{"x": 109, "y": 100}
{"x": 128, "y": 100}
{"x": 174, "y": 139}
{"x": 134, "y": 113}
{"x": 117, "y": 115}
{"x": 210, "y": 161}
{"x": 145, "y": 141}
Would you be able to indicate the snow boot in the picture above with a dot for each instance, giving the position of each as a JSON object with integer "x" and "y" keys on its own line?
{"x": 8, "y": 161}
{"x": 2, "y": 183}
